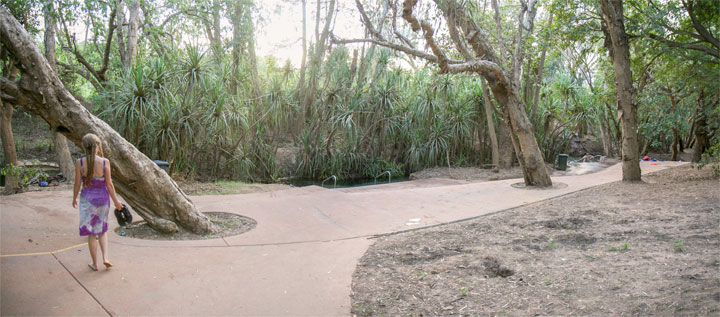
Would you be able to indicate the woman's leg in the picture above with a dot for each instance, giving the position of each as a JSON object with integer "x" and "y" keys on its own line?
{"x": 92, "y": 245}
{"x": 104, "y": 248}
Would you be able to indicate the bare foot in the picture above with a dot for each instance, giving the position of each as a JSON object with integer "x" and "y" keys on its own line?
{"x": 107, "y": 264}
{"x": 93, "y": 267}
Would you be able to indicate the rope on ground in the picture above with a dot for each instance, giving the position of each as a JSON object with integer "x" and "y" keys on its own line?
{"x": 42, "y": 253}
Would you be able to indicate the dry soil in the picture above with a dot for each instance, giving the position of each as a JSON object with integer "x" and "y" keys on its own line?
{"x": 651, "y": 248}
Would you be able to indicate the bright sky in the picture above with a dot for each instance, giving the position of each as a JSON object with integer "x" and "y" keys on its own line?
{"x": 281, "y": 33}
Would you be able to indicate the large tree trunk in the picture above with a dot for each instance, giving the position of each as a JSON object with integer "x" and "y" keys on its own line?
{"x": 12, "y": 185}
{"x": 616, "y": 42}
{"x": 147, "y": 188}
{"x": 12, "y": 182}
{"x": 529, "y": 155}
{"x": 62, "y": 151}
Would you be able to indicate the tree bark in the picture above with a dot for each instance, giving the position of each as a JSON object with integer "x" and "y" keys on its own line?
{"x": 11, "y": 181}
{"x": 257, "y": 92}
{"x": 236, "y": 49}
{"x": 491, "y": 127}
{"x": 212, "y": 30}
{"x": 243, "y": 45}
{"x": 132, "y": 37}
{"x": 62, "y": 151}
{"x": 506, "y": 148}
{"x": 674, "y": 147}
{"x": 605, "y": 134}
{"x": 701, "y": 138}
{"x": 147, "y": 188}
{"x": 616, "y": 42}
{"x": 12, "y": 184}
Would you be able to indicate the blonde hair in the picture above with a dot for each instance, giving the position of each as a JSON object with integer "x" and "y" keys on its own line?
{"x": 92, "y": 146}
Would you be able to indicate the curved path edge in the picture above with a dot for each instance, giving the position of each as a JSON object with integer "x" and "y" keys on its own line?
{"x": 299, "y": 260}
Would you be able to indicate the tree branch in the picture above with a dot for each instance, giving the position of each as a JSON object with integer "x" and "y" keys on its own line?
{"x": 498, "y": 29}
{"x": 428, "y": 32}
{"x": 84, "y": 73}
{"x": 477, "y": 38}
{"x": 691, "y": 46}
{"x": 8, "y": 90}
{"x": 485, "y": 68}
{"x": 394, "y": 27}
{"x": 455, "y": 36}
{"x": 108, "y": 46}
{"x": 699, "y": 27}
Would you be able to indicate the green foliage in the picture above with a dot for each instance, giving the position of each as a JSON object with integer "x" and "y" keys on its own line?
{"x": 623, "y": 248}
{"x": 23, "y": 175}
{"x": 215, "y": 115}
{"x": 678, "y": 245}
{"x": 552, "y": 244}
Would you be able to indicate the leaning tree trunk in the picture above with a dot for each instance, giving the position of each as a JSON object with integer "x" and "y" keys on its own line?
{"x": 147, "y": 188}
{"x": 531, "y": 162}
{"x": 616, "y": 42}
{"x": 503, "y": 85}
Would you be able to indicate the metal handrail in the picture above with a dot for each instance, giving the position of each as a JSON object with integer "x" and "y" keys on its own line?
{"x": 333, "y": 177}
{"x": 383, "y": 173}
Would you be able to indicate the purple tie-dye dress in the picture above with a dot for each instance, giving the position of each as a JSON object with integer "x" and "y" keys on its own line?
{"x": 94, "y": 205}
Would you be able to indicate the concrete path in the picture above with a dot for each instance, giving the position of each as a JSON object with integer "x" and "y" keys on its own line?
{"x": 299, "y": 259}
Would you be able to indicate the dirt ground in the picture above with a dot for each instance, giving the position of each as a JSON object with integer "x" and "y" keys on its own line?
{"x": 619, "y": 249}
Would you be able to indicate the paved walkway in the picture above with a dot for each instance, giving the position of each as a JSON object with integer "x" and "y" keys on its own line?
{"x": 299, "y": 259}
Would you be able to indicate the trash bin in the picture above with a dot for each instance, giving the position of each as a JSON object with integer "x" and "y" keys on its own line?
{"x": 162, "y": 164}
{"x": 562, "y": 161}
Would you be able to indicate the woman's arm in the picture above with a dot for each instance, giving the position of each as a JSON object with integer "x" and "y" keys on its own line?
{"x": 76, "y": 186}
{"x": 111, "y": 187}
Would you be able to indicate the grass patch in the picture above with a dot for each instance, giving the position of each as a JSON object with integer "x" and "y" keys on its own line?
{"x": 623, "y": 248}
{"x": 679, "y": 245}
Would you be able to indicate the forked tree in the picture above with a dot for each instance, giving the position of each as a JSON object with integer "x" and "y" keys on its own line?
{"x": 147, "y": 188}
{"x": 479, "y": 57}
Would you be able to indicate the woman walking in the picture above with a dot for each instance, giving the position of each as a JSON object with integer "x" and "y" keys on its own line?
{"x": 92, "y": 172}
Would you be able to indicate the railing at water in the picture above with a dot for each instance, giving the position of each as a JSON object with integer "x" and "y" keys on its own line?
{"x": 333, "y": 177}
{"x": 383, "y": 173}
